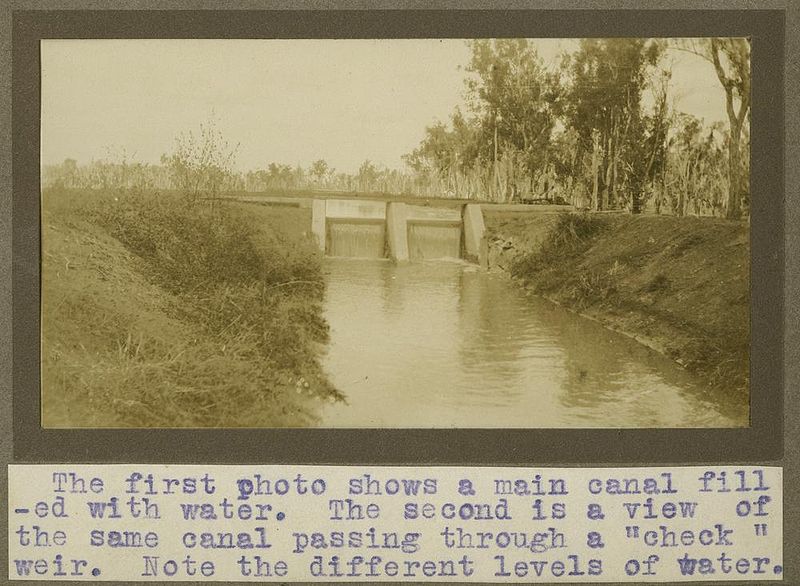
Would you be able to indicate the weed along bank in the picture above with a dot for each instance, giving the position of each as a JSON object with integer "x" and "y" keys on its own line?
{"x": 224, "y": 310}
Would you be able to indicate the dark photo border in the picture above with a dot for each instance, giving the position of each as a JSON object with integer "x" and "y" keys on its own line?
{"x": 762, "y": 441}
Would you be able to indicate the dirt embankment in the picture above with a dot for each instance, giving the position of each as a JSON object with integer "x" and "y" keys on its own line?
{"x": 678, "y": 285}
{"x": 155, "y": 314}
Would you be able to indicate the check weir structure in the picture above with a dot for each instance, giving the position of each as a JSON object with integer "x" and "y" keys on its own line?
{"x": 398, "y": 230}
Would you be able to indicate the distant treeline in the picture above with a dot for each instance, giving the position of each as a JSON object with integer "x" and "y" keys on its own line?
{"x": 598, "y": 131}
{"x": 115, "y": 174}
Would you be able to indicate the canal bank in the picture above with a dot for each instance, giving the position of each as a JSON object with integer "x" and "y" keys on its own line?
{"x": 677, "y": 285}
{"x": 674, "y": 287}
{"x": 161, "y": 312}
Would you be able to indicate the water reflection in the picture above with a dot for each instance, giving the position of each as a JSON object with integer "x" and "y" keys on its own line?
{"x": 437, "y": 344}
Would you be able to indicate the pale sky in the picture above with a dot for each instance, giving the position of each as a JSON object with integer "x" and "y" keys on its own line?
{"x": 287, "y": 101}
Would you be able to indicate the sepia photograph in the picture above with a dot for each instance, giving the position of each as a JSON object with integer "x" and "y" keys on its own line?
{"x": 395, "y": 233}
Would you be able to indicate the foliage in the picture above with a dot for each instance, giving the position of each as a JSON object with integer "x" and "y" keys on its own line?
{"x": 201, "y": 164}
{"x": 694, "y": 178}
{"x": 598, "y": 130}
{"x": 191, "y": 246}
{"x": 603, "y": 106}
{"x": 569, "y": 236}
{"x": 319, "y": 171}
{"x": 225, "y": 270}
{"x": 119, "y": 171}
{"x": 514, "y": 96}
{"x": 502, "y": 148}
{"x": 221, "y": 314}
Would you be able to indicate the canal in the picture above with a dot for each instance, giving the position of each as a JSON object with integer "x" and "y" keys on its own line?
{"x": 445, "y": 344}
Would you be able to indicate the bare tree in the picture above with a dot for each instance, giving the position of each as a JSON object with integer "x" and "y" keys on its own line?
{"x": 201, "y": 164}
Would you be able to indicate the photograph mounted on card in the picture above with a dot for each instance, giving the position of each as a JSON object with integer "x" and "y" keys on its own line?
{"x": 391, "y": 237}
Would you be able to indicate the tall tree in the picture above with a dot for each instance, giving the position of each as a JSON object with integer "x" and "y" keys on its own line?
{"x": 731, "y": 60}
{"x": 319, "y": 170}
{"x": 514, "y": 97}
{"x": 603, "y": 105}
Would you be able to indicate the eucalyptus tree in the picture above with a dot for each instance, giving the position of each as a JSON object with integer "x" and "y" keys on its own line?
{"x": 515, "y": 100}
{"x": 500, "y": 145}
{"x": 603, "y": 104}
{"x": 731, "y": 60}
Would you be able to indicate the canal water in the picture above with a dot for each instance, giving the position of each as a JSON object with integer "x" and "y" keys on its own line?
{"x": 444, "y": 344}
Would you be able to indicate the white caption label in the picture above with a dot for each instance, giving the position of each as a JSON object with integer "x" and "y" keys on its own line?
{"x": 138, "y": 522}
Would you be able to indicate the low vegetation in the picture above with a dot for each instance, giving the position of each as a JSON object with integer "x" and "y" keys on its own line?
{"x": 161, "y": 310}
{"x": 678, "y": 284}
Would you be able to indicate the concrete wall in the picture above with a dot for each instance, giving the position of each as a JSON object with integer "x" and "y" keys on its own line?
{"x": 348, "y": 208}
{"x": 398, "y": 216}
{"x": 424, "y": 214}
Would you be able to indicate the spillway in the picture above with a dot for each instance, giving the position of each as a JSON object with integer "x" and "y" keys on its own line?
{"x": 356, "y": 239}
{"x": 397, "y": 230}
{"x": 429, "y": 241}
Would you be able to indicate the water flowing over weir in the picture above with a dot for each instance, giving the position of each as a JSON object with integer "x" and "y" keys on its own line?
{"x": 356, "y": 239}
{"x": 399, "y": 231}
{"x": 426, "y": 241}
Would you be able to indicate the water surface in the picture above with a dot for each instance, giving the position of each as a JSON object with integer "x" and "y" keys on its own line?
{"x": 444, "y": 344}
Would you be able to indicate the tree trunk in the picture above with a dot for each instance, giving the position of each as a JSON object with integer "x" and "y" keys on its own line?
{"x": 611, "y": 173}
{"x": 607, "y": 163}
{"x": 733, "y": 210}
{"x": 736, "y": 119}
{"x": 595, "y": 170}
{"x": 495, "y": 179}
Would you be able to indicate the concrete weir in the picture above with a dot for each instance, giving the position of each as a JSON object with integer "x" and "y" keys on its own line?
{"x": 398, "y": 230}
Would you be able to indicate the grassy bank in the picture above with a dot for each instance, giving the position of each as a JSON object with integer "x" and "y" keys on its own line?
{"x": 157, "y": 311}
{"x": 679, "y": 285}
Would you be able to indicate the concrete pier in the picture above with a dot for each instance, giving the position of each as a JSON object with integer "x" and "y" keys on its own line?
{"x": 397, "y": 231}
{"x": 318, "y": 215}
{"x": 474, "y": 232}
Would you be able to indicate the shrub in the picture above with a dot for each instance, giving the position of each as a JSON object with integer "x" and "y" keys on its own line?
{"x": 187, "y": 245}
{"x": 571, "y": 234}
{"x": 202, "y": 164}
{"x": 591, "y": 287}
{"x": 257, "y": 292}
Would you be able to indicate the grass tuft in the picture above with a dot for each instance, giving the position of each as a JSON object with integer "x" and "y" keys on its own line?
{"x": 569, "y": 236}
